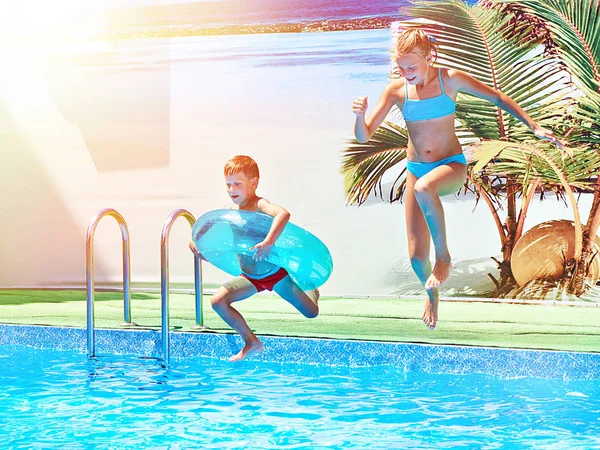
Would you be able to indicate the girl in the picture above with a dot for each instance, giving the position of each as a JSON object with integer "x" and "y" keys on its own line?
{"x": 436, "y": 165}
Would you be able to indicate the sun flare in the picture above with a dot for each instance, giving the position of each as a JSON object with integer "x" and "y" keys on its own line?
{"x": 38, "y": 25}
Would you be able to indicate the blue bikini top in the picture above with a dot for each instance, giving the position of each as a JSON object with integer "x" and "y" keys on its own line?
{"x": 428, "y": 108}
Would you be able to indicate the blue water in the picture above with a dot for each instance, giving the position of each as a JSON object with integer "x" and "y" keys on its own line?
{"x": 259, "y": 16}
{"x": 279, "y": 11}
{"x": 62, "y": 400}
{"x": 215, "y": 13}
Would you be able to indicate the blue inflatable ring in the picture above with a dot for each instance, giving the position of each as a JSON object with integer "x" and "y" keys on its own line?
{"x": 223, "y": 234}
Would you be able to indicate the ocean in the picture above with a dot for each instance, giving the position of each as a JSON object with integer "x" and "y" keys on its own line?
{"x": 251, "y": 17}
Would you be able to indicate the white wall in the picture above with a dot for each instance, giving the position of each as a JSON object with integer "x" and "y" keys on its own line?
{"x": 146, "y": 127}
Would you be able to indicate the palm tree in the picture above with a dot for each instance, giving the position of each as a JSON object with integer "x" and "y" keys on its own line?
{"x": 475, "y": 39}
{"x": 571, "y": 31}
{"x": 538, "y": 169}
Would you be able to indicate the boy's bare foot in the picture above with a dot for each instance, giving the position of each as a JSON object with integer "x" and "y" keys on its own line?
{"x": 430, "y": 314}
{"x": 440, "y": 273}
{"x": 251, "y": 348}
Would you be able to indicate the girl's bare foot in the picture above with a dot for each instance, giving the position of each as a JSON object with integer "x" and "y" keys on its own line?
{"x": 430, "y": 314}
{"x": 251, "y": 348}
{"x": 440, "y": 274}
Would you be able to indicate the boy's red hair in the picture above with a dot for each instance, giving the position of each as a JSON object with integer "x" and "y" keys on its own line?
{"x": 241, "y": 164}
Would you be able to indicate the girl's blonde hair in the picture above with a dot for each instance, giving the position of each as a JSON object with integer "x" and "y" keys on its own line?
{"x": 415, "y": 40}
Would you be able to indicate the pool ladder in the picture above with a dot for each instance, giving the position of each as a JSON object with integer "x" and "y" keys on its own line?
{"x": 89, "y": 272}
{"x": 164, "y": 280}
{"x": 164, "y": 285}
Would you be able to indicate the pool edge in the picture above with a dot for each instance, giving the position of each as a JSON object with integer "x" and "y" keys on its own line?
{"x": 411, "y": 357}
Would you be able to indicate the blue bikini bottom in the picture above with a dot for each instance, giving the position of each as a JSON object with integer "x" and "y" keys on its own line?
{"x": 418, "y": 169}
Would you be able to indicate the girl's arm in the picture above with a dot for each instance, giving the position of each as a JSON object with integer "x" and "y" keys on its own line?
{"x": 364, "y": 128}
{"x": 464, "y": 82}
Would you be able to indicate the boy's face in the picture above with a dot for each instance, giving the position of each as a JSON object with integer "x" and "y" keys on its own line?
{"x": 240, "y": 188}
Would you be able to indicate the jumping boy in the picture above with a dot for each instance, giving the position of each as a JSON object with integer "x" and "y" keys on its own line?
{"x": 241, "y": 177}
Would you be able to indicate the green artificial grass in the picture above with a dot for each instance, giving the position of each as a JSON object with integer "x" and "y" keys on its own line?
{"x": 555, "y": 327}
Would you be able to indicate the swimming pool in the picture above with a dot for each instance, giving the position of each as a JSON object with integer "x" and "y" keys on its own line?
{"x": 59, "y": 398}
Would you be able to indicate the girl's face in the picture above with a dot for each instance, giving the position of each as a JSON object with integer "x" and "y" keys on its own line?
{"x": 413, "y": 67}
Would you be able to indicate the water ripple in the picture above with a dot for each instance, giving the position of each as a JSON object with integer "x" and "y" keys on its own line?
{"x": 62, "y": 399}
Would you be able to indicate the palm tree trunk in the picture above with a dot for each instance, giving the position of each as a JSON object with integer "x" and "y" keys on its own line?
{"x": 506, "y": 281}
{"x": 525, "y": 207}
{"x": 577, "y": 283}
{"x": 508, "y": 236}
{"x": 593, "y": 222}
{"x": 510, "y": 225}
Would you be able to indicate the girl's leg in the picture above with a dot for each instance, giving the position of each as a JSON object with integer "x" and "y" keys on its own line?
{"x": 233, "y": 291}
{"x": 418, "y": 248}
{"x": 305, "y": 302}
{"x": 428, "y": 189}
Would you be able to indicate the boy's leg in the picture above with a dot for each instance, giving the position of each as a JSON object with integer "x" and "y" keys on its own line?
{"x": 305, "y": 302}
{"x": 418, "y": 249}
{"x": 428, "y": 189}
{"x": 233, "y": 291}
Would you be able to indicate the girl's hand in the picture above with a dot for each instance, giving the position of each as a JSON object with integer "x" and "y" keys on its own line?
{"x": 360, "y": 105}
{"x": 263, "y": 250}
{"x": 548, "y": 135}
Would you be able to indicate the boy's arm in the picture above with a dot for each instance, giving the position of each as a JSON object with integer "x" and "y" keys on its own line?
{"x": 281, "y": 217}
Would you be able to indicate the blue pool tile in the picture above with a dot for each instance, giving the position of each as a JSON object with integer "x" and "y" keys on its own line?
{"x": 418, "y": 358}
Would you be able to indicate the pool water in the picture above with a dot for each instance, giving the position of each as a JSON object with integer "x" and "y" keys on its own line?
{"x": 60, "y": 399}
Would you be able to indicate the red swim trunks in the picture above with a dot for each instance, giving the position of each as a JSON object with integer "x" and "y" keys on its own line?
{"x": 268, "y": 282}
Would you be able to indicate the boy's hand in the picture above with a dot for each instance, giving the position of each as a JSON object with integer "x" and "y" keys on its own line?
{"x": 263, "y": 250}
{"x": 195, "y": 251}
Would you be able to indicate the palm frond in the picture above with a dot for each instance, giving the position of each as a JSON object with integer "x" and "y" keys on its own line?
{"x": 575, "y": 30}
{"x": 584, "y": 121}
{"x": 571, "y": 31}
{"x": 526, "y": 162}
{"x": 364, "y": 165}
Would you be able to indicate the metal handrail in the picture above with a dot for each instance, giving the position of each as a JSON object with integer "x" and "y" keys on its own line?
{"x": 164, "y": 280}
{"x": 89, "y": 275}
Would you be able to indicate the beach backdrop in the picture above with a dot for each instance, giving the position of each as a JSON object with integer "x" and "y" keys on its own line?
{"x": 136, "y": 106}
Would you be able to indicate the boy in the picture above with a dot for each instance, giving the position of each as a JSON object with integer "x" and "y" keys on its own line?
{"x": 241, "y": 178}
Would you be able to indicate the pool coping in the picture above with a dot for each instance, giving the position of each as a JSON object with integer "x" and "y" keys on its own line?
{"x": 411, "y": 357}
